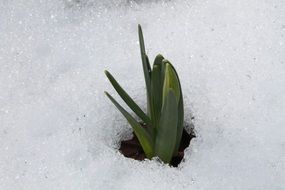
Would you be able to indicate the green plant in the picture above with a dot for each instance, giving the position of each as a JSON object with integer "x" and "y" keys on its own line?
{"x": 162, "y": 128}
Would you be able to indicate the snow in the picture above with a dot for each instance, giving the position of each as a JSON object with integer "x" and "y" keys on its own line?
{"x": 59, "y": 131}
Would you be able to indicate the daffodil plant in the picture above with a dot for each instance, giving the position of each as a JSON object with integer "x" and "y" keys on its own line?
{"x": 160, "y": 129}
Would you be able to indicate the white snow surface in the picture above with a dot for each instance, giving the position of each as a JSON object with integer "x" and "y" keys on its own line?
{"x": 59, "y": 131}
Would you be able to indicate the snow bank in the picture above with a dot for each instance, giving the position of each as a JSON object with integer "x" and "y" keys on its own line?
{"x": 58, "y": 131}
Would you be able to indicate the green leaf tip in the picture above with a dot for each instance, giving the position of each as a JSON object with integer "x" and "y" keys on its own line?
{"x": 171, "y": 81}
{"x": 127, "y": 99}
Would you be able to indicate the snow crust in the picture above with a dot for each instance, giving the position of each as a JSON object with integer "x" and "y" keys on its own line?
{"x": 59, "y": 131}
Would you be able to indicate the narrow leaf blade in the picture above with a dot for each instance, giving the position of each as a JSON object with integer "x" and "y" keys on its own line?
{"x": 145, "y": 139}
{"x": 128, "y": 100}
{"x": 146, "y": 66}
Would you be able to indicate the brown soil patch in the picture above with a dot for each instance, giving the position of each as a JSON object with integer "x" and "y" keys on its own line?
{"x": 132, "y": 148}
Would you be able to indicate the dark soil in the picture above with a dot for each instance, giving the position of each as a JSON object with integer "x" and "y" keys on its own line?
{"x": 132, "y": 148}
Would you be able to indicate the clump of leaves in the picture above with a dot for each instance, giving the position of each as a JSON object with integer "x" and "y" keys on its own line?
{"x": 162, "y": 128}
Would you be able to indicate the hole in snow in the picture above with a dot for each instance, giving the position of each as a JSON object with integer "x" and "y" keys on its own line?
{"x": 132, "y": 149}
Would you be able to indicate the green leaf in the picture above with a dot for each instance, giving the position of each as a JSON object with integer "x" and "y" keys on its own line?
{"x": 156, "y": 90}
{"x": 146, "y": 66}
{"x": 171, "y": 81}
{"x": 179, "y": 124}
{"x": 128, "y": 100}
{"x": 148, "y": 93}
{"x": 180, "y": 115}
{"x": 167, "y": 129}
{"x": 145, "y": 139}
{"x": 163, "y": 71}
